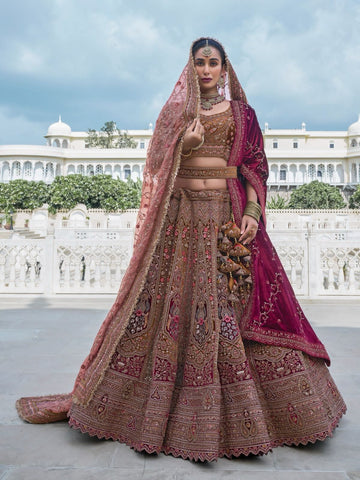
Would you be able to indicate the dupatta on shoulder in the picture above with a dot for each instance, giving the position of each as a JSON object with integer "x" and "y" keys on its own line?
{"x": 273, "y": 315}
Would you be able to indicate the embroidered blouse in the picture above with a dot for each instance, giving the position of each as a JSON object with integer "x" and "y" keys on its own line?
{"x": 218, "y": 135}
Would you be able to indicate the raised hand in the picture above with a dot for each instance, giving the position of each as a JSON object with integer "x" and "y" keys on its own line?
{"x": 193, "y": 135}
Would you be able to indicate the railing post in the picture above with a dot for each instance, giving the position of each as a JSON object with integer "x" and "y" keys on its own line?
{"x": 313, "y": 263}
{"x": 48, "y": 273}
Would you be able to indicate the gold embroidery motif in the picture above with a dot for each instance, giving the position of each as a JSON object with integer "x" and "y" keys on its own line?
{"x": 219, "y": 134}
{"x": 207, "y": 172}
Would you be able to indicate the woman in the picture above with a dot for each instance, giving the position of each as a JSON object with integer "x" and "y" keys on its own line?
{"x": 205, "y": 352}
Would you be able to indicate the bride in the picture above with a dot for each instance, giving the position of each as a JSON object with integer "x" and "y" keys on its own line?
{"x": 206, "y": 351}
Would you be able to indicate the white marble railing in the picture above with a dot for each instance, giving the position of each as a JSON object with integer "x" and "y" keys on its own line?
{"x": 318, "y": 263}
{"x": 65, "y": 265}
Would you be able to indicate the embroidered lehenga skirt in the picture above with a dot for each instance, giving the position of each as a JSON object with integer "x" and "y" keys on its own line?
{"x": 182, "y": 380}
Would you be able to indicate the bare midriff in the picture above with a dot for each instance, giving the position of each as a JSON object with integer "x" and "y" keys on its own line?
{"x": 202, "y": 183}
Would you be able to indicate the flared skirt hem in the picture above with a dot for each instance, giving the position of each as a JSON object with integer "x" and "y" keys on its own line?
{"x": 233, "y": 452}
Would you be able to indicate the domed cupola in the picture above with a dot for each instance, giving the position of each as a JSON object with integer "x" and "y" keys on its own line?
{"x": 59, "y": 129}
{"x": 354, "y": 129}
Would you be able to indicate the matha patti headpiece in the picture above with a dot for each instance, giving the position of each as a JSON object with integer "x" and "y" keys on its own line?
{"x": 206, "y": 51}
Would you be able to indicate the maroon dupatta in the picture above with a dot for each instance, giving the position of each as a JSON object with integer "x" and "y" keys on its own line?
{"x": 273, "y": 315}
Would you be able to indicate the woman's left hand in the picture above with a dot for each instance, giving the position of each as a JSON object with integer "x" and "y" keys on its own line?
{"x": 249, "y": 228}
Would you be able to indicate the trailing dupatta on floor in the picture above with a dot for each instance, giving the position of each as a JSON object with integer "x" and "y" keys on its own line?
{"x": 273, "y": 315}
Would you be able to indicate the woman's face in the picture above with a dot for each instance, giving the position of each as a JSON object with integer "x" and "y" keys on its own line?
{"x": 209, "y": 69}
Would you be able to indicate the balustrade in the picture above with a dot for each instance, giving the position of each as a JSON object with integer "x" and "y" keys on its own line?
{"x": 318, "y": 263}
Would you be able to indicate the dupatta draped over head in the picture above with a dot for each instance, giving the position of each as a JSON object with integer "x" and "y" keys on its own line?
{"x": 273, "y": 315}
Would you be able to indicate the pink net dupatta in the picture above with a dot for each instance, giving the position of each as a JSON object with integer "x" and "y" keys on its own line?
{"x": 159, "y": 174}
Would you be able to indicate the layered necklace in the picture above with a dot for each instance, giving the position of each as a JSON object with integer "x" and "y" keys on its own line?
{"x": 207, "y": 100}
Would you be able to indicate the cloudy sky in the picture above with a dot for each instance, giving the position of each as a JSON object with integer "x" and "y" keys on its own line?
{"x": 94, "y": 61}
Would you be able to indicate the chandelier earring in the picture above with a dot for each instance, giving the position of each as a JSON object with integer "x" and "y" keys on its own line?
{"x": 221, "y": 85}
{"x": 221, "y": 82}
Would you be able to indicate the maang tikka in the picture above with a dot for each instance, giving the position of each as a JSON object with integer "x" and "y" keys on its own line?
{"x": 206, "y": 51}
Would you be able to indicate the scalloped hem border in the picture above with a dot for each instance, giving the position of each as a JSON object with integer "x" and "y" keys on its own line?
{"x": 262, "y": 449}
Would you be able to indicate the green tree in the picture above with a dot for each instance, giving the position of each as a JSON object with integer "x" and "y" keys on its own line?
{"x": 4, "y": 196}
{"x": 125, "y": 141}
{"x": 277, "y": 203}
{"x": 23, "y": 195}
{"x": 354, "y": 201}
{"x": 114, "y": 194}
{"x": 97, "y": 191}
{"x": 109, "y": 136}
{"x": 316, "y": 195}
{"x": 66, "y": 192}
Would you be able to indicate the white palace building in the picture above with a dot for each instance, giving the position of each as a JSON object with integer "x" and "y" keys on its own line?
{"x": 85, "y": 251}
{"x": 296, "y": 156}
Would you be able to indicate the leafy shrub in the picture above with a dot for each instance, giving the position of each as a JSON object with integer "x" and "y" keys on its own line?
{"x": 316, "y": 195}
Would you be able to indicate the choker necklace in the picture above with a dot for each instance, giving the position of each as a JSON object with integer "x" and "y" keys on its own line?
{"x": 207, "y": 101}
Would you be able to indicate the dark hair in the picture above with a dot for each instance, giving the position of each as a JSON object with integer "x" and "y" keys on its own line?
{"x": 212, "y": 43}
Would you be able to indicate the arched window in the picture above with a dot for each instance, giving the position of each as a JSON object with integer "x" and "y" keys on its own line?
{"x": 292, "y": 174}
{"x": 65, "y": 144}
{"x": 353, "y": 143}
{"x": 311, "y": 172}
{"x": 56, "y": 143}
{"x": 27, "y": 170}
{"x": 117, "y": 172}
{"x": 70, "y": 169}
{"x": 108, "y": 170}
{"x": 301, "y": 174}
{"x": 5, "y": 172}
{"x": 39, "y": 171}
{"x": 80, "y": 170}
{"x": 353, "y": 173}
{"x": 127, "y": 171}
{"x": 320, "y": 172}
{"x": 136, "y": 172}
{"x": 340, "y": 173}
{"x": 273, "y": 174}
{"x": 98, "y": 170}
{"x": 16, "y": 171}
{"x": 283, "y": 173}
{"x": 90, "y": 170}
{"x": 330, "y": 172}
{"x": 49, "y": 172}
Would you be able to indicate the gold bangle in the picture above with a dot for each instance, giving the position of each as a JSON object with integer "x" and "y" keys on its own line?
{"x": 200, "y": 144}
{"x": 253, "y": 209}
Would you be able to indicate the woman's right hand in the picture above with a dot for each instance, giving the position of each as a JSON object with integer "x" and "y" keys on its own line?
{"x": 193, "y": 135}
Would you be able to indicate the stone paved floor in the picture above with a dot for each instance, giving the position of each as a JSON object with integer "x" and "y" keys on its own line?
{"x": 43, "y": 342}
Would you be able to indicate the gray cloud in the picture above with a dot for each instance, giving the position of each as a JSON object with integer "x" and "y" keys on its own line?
{"x": 95, "y": 62}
